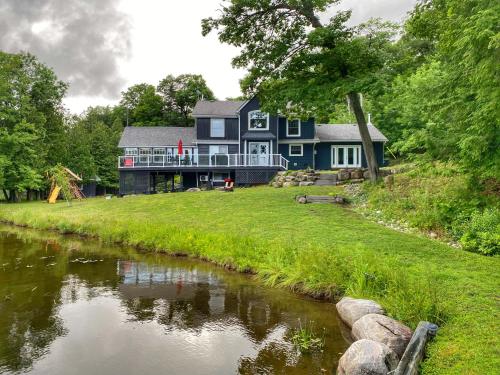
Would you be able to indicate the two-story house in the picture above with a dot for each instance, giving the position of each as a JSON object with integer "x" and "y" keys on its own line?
{"x": 234, "y": 139}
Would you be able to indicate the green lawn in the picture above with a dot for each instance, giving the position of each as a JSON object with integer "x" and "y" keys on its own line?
{"x": 318, "y": 249}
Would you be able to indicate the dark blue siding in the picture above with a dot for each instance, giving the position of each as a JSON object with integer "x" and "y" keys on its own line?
{"x": 324, "y": 153}
{"x": 298, "y": 162}
{"x": 253, "y": 105}
{"x": 230, "y": 129}
{"x": 306, "y": 129}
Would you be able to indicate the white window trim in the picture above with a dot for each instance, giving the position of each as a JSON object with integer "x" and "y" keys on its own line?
{"x": 294, "y": 145}
{"x": 257, "y": 129}
{"x": 223, "y": 128}
{"x": 131, "y": 151}
{"x": 300, "y": 126}
{"x": 357, "y": 156}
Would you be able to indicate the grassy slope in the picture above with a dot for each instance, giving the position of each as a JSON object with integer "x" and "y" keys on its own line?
{"x": 312, "y": 248}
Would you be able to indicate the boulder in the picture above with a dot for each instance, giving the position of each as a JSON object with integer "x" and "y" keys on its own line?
{"x": 383, "y": 329}
{"x": 366, "y": 175}
{"x": 343, "y": 175}
{"x": 193, "y": 190}
{"x": 367, "y": 357}
{"x": 306, "y": 183}
{"x": 277, "y": 184}
{"x": 290, "y": 178}
{"x": 302, "y": 200}
{"x": 290, "y": 183}
{"x": 356, "y": 174}
{"x": 352, "y": 309}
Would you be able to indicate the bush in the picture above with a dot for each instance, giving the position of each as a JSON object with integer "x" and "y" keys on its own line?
{"x": 438, "y": 198}
{"x": 481, "y": 233}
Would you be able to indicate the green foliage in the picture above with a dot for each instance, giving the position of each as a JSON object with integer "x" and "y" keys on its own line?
{"x": 144, "y": 105}
{"x": 481, "y": 232}
{"x": 60, "y": 177}
{"x": 305, "y": 339}
{"x": 441, "y": 199}
{"x": 31, "y": 122}
{"x": 443, "y": 105}
{"x": 180, "y": 95}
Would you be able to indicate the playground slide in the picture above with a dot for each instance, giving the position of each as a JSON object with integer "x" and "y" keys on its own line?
{"x": 54, "y": 194}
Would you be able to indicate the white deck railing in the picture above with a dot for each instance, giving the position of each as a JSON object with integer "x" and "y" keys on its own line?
{"x": 202, "y": 161}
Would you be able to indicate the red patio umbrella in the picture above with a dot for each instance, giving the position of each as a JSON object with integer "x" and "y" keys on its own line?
{"x": 179, "y": 148}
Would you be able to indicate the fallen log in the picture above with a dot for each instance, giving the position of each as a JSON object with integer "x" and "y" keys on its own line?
{"x": 415, "y": 351}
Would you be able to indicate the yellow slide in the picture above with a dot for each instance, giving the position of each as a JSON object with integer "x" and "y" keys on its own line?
{"x": 54, "y": 194}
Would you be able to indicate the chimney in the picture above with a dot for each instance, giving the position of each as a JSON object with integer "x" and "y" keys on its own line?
{"x": 370, "y": 119}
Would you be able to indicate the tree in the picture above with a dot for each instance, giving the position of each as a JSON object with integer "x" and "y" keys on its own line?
{"x": 31, "y": 122}
{"x": 143, "y": 104}
{"x": 180, "y": 95}
{"x": 300, "y": 66}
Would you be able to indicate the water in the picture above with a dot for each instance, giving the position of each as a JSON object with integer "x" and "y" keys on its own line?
{"x": 75, "y": 306}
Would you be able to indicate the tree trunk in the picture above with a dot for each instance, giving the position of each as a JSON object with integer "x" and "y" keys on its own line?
{"x": 365, "y": 136}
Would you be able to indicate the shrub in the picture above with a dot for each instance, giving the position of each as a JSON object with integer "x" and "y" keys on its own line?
{"x": 481, "y": 233}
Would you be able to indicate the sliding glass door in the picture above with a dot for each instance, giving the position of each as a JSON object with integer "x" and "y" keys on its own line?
{"x": 348, "y": 156}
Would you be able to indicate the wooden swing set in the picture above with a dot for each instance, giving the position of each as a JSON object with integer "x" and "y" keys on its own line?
{"x": 73, "y": 180}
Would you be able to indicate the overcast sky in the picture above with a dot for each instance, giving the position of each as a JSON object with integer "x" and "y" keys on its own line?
{"x": 103, "y": 46}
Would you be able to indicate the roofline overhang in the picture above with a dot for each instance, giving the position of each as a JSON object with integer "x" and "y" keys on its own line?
{"x": 216, "y": 116}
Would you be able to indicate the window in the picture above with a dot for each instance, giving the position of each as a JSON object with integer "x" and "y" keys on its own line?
{"x": 144, "y": 154}
{"x": 296, "y": 150}
{"x": 218, "y": 149}
{"x": 158, "y": 154}
{"x": 217, "y": 127}
{"x": 258, "y": 120}
{"x": 131, "y": 151}
{"x": 219, "y": 177}
{"x": 293, "y": 128}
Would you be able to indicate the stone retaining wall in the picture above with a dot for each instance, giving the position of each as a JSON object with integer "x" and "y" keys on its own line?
{"x": 310, "y": 177}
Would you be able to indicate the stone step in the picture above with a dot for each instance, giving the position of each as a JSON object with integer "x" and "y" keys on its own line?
{"x": 325, "y": 183}
{"x": 324, "y": 176}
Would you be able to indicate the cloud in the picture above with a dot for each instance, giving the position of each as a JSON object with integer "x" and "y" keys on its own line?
{"x": 82, "y": 40}
{"x": 362, "y": 10}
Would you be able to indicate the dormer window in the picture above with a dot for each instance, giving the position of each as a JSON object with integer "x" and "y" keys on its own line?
{"x": 293, "y": 128}
{"x": 258, "y": 120}
{"x": 217, "y": 128}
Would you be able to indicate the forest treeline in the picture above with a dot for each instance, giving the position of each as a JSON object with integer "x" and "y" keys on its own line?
{"x": 435, "y": 96}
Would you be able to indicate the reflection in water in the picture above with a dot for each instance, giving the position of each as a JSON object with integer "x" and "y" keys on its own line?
{"x": 77, "y": 307}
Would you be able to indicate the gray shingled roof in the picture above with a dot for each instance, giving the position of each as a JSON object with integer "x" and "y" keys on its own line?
{"x": 223, "y": 108}
{"x": 258, "y": 135}
{"x": 346, "y": 132}
{"x": 151, "y": 136}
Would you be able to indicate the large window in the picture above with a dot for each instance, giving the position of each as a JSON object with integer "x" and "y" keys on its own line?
{"x": 296, "y": 150}
{"x": 258, "y": 120}
{"x": 217, "y": 127}
{"x": 293, "y": 128}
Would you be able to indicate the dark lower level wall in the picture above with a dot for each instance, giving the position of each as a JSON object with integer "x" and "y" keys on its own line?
{"x": 324, "y": 153}
{"x": 298, "y": 162}
{"x": 147, "y": 182}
